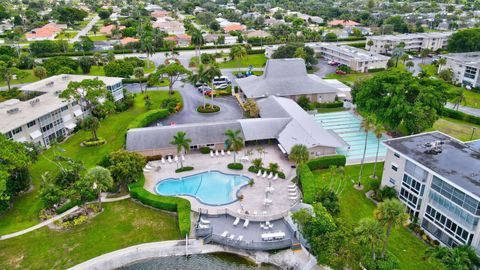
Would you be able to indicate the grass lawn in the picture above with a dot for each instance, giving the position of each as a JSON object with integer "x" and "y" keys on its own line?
{"x": 122, "y": 224}
{"x": 472, "y": 99}
{"x": 430, "y": 69}
{"x": 61, "y": 35}
{"x": 27, "y": 206}
{"x": 98, "y": 37}
{"x": 349, "y": 79}
{"x": 256, "y": 60}
{"x": 98, "y": 70}
{"x": 355, "y": 206}
{"x": 30, "y": 78}
{"x": 457, "y": 128}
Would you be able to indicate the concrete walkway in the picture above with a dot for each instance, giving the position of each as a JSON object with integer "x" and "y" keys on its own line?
{"x": 104, "y": 198}
{"x": 465, "y": 109}
{"x": 286, "y": 259}
{"x": 40, "y": 225}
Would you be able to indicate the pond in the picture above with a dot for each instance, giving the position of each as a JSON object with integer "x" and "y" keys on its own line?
{"x": 214, "y": 261}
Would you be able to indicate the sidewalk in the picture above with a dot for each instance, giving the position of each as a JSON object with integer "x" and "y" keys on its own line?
{"x": 465, "y": 109}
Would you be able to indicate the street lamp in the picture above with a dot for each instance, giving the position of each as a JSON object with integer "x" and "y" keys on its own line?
{"x": 473, "y": 132}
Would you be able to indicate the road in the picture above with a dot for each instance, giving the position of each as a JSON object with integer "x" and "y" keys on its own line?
{"x": 85, "y": 30}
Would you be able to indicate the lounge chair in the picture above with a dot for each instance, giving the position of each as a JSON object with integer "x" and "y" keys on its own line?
{"x": 163, "y": 160}
{"x": 264, "y": 174}
{"x": 259, "y": 173}
{"x": 237, "y": 220}
{"x": 204, "y": 221}
{"x": 169, "y": 159}
{"x": 224, "y": 234}
{"x": 146, "y": 170}
{"x": 222, "y": 152}
{"x": 292, "y": 194}
{"x": 292, "y": 186}
{"x": 176, "y": 159}
{"x": 264, "y": 213}
{"x": 211, "y": 153}
{"x": 148, "y": 167}
{"x": 216, "y": 153}
{"x": 275, "y": 177}
{"x": 245, "y": 224}
{"x": 254, "y": 212}
{"x": 292, "y": 190}
{"x": 232, "y": 237}
{"x": 239, "y": 211}
{"x": 240, "y": 238}
{"x": 183, "y": 158}
{"x": 228, "y": 154}
{"x": 270, "y": 175}
{"x": 293, "y": 198}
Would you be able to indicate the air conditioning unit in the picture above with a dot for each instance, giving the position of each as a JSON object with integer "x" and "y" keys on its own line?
{"x": 34, "y": 101}
{"x": 14, "y": 110}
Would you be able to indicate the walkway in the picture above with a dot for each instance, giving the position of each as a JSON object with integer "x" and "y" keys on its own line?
{"x": 465, "y": 109}
{"x": 40, "y": 225}
{"x": 85, "y": 30}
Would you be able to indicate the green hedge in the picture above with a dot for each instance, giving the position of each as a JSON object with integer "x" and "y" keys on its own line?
{"x": 325, "y": 162}
{"x": 173, "y": 204}
{"x": 147, "y": 118}
{"x": 336, "y": 104}
{"x": 235, "y": 166}
{"x": 205, "y": 150}
{"x": 184, "y": 169}
{"x": 461, "y": 116}
{"x": 307, "y": 183}
{"x": 83, "y": 53}
{"x": 67, "y": 206}
{"x": 360, "y": 45}
{"x": 100, "y": 141}
{"x": 373, "y": 70}
{"x": 134, "y": 80}
{"x": 209, "y": 108}
{"x": 259, "y": 51}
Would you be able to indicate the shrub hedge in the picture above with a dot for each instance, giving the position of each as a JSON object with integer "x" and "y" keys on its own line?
{"x": 82, "y": 53}
{"x": 100, "y": 141}
{"x": 205, "y": 150}
{"x": 235, "y": 166}
{"x": 67, "y": 206}
{"x": 325, "y": 162}
{"x": 358, "y": 45}
{"x": 173, "y": 204}
{"x": 254, "y": 169}
{"x": 184, "y": 169}
{"x": 259, "y": 51}
{"x": 461, "y": 116}
{"x": 336, "y": 104}
{"x": 149, "y": 117}
{"x": 134, "y": 80}
{"x": 307, "y": 183}
{"x": 153, "y": 157}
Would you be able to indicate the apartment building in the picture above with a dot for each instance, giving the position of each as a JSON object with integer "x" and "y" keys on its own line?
{"x": 357, "y": 59}
{"x": 465, "y": 67}
{"x": 438, "y": 178}
{"x": 47, "y": 116}
{"x": 413, "y": 42}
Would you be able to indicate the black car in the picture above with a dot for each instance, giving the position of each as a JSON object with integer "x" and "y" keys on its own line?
{"x": 199, "y": 83}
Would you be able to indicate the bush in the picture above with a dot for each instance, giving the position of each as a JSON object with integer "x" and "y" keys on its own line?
{"x": 173, "y": 204}
{"x": 235, "y": 166}
{"x": 336, "y": 104}
{"x": 358, "y": 45}
{"x": 205, "y": 150}
{"x": 209, "y": 108}
{"x": 461, "y": 116}
{"x": 67, "y": 206}
{"x": 89, "y": 143}
{"x": 307, "y": 183}
{"x": 326, "y": 162}
{"x": 134, "y": 80}
{"x": 259, "y": 51}
{"x": 373, "y": 70}
{"x": 45, "y": 55}
{"x": 184, "y": 169}
{"x": 153, "y": 157}
{"x": 147, "y": 118}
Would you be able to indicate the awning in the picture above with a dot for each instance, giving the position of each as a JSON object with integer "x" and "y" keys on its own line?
{"x": 70, "y": 126}
{"x": 282, "y": 149}
{"x": 36, "y": 134}
{"x": 77, "y": 113}
{"x": 66, "y": 118}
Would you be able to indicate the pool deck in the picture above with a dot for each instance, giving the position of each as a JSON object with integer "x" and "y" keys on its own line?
{"x": 251, "y": 206}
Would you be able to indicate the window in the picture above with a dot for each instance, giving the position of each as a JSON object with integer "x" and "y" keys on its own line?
{"x": 392, "y": 181}
{"x": 74, "y": 103}
{"x": 9, "y": 135}
{"x": 470, "y": 72}
{"x": 394, "y": 167}
{"x": 17, "y": 130}
{"x": 64, "y": 108}
{"x": 31, "y": 124}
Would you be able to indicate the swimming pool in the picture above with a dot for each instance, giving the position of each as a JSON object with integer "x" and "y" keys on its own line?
{"x": 213, "y": 187}
{"x": 347, "y": 126}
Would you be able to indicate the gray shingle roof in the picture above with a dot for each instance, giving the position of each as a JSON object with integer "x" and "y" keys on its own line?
{"x": 284, "y": 77}
{"x": 262, "y": 128}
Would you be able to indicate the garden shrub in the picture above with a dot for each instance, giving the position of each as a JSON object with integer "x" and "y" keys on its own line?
{"x": 259, "y": 51}
{"x": 209, "y": 108}
{"x": 235, "y": 166}
{"x": 336, "y": 104}
{"x": 67, "y": 206}
{"x": 172, "y": 204}
{"x": 326, "y": 162}
{"x": 461, "y": 116}
{"x": 147, "y": 118}
{"x": 373, "y": 70}
{"x": 205, "y": 150}
{"x": 134, "y": 80}
{"x": 90, "y": 143}
{"x": 184, "y": 169}
{"x": 307, "y": 183}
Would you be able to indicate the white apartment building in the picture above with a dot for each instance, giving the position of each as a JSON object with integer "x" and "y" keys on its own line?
{"x": 413, "y": 42}
{"x": 47, "y": 116}
{"x": 438, "y": 178}
{"x": 357, "y": 59}
{"x": 465, "y": 67}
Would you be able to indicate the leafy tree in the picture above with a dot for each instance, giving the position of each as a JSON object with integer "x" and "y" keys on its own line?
{"x": 173, "y": 72}
{"x": 139, "y": 73}
{"x": 118, "y": 68}
{"x": 104, "y": 13}
{"x": 387, "y": 193}
{"x": 234, "y": 142}
{"x": 330, "y": 36}
{"x": 328, "y": 198}
{"x": 314, "y": 226}
{"x": 299, "y": 154}
{"x": 304, "y": 102}
{"x": 459, "y": 98}
{"x": 7, "y": 74}
{"x": 288, "y": 51}
{"x": 214, "y": 25}
{"x": 370, "y": 44}
{"x": 446, "y": 75}
{"x": 424, "y": 53}
{"x": 91, "y": 123}
{"x": 456, "y": 258}
{"x": 126, "y": 167}
{"x": 182, "y": 142}
{"x": 410, "y": 64}
{"x": 467, "y": 40}
{"x": 89, "y": 91}
{"x": 420, "y": 118}
{"x": 100, "y": 179}
{"x": 69, "y": 15}
{"x": 25, "y": 61}
{"x": 257, "y": 163}
{"x": 53, "y": 64}
{"x": 94, "y": 29}
{"x": 370, "y": 232}
{"x": 85, "y": 63}
{"x": 45, "y": 46}
{"x": 390, "y": 213}
{"x": 251, "y": 108}
{"x": 50, "y": 192}
{"x": 399, "y": 24}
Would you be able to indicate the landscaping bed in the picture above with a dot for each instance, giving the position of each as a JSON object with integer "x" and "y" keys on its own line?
{"x": 184, "y": 169}
{"x": 235, "y": 166}
{"x": 93, "y": 142}
{"x": 209, "y": 108}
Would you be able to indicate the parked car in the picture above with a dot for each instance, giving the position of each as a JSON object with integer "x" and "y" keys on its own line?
{"x": 221, "y": 86}
{"x": 209, "y": 92}
{"x": 240, "y": 75}
{"x": 340, "y": 72}
{"x": 204, "y": 88}
{"x": 221, "y": 80}
{"x": 331, "y": 63}
{"x": 199, "y": 83}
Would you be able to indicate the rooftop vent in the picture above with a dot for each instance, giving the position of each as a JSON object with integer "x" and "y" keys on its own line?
{"x": 33, "y": 102}
{"x": 434, "y": 148}
{"x": 13, "y": 111}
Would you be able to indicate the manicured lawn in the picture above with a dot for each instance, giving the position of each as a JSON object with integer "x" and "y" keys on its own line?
{"x": 61, "y": 35}
{"x": 354, "y": 206}
{"x": 472, "y": 99}
{"x": 122, "y": 224}
{"x": 349, "y": 79}
{"x": 26, "y": 207}
{"x": 457, "y": 128}
{"x": 430, "y": 69}
{"x": 30, "y": 78}
{"x": 98, "y": 37}
{"x": 256, "y": 60}
{"x": 98, "y": 70}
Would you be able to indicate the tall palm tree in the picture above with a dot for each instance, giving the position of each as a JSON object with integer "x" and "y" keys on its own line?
{"x": 101, "y": 180}
{"x": 424, "y": 53}
{"x": 234, "y": 142}
{"x": 459, "y": 99}
{"x": 139, "y": 73}
{"x": 390, "y": 213}
{"x": 378, "y": 131}
{"x": 238, "y": 53}
{"x": 146, "y": 45}
{"x": 370, "y": 231}
{"x": 211, "y": 72}
{"x": 197, "y": 41}
{"x": 182, "y": 142}
{"x": 299, "y": 154}
{"x": 441, "y": 62}
{"x": 366, "y": 125}
{"x": 199, "y": 76}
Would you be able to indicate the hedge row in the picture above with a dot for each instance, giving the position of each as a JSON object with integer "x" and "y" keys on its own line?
{"x": 184, "y": 169}
{"x": 173, "y": 204}
{"x": 259, "y": 51}
{"x": 336, "y": 104}
{"x": 84, "y": 53}
{"x": 147, "y": 118}
{"x": 134, "y": 80}
{"x": 67, "y": 206}
{"x": 325, "y": 162}
{"x": 307, "y": 183}
{"x": 235, "y": 166}
{"x": 358, "y": 45}
{"x": 461, "y": 116}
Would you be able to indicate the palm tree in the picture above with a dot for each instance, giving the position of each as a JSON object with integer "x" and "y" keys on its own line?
{"x": 390, "y": 213}
{"x": 182, "y": 143}
{"x": 424, "y": 53}
{"x": 139, "y": 73}
{"x": 441, "y": 61}
{"x": 410, "y": 64}
{"x": 197, "y": 41}
{"x": 91, "y": 123}
{"x": 238, "y": 53}
{"x": 299, "y": 154}
{"x": 366, "y": 125}
{"x": 199, "y": 76}
{"x": 369, "y": 231}
{"x": 210, "y": 73}
{"x": 234, "y": 142}
{"x": 378, "y": 131}
{"x": 101, "y": 180}
{"x": 404, "y": 58}
{"x": 94, "y": 29}
{"x": 459, "y": 99}
{"x": 146, "y": 45}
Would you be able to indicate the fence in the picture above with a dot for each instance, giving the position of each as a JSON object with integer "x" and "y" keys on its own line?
{"x": 251, "y": 245}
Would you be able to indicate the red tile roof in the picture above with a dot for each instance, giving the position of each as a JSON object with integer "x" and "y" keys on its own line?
{"x": 344, "y": 23}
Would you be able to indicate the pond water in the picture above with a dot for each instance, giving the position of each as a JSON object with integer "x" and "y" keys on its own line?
{"x": 214, "y": 261}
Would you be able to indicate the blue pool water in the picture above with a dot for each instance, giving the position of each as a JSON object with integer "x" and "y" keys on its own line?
{"x": 347, "y": 126}
{"x": 214, "y": 188}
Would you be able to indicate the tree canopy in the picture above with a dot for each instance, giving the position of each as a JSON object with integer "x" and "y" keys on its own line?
{"x": 289, "y": 51}
{"x": 467, "y": 40}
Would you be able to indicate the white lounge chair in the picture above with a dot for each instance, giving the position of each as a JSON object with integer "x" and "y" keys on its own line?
{"x": 224, "y": 234}
{"x": 264, "y": 213}
{"x": 237, "y": 220}
{"x": 148, "y": 167}
{"x": 240, "y": 238}
{"x": 264, "y": 174}
{"x": 239, "y": 211}
{"x": 229, "y": 153}
{"x": 270, "y": 175}
{"x": 183, "y": 158}
{"x": 232, "y": 237}
{"x": 163, "y": 160}
{"x": 146, "y": 170}
{"x": 216, "y": 153}
{"x": 169, "y": 159}
{"x": 255, "y": 212}
{"x": 292, "y": 186}
{"x": 176, "y": 159}
{"x": 293, "y": 198}
{"x": 204, "y": 221}
{"x": 222, "y": 152}
{"x": 259, "y": 173}
{"x": 211, "y": 153}
{"x": 292, "y": 189}
{"x": 275, "y": 177}
{"x": 292, "y": 194}
{"x": 245, "y": 224}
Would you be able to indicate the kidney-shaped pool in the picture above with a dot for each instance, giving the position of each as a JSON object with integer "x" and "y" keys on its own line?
{"x": 213, "y": 187}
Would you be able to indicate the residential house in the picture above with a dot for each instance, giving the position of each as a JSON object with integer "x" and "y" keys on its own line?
{"x": 180, "y": 40}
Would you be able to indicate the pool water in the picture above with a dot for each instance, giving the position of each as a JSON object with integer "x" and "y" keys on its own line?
{"x": 214, "y": 188}
{"x": 348, "y": 126}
